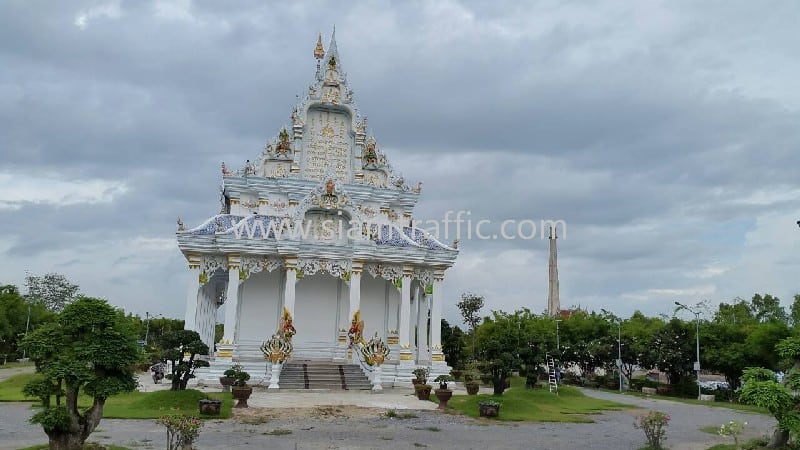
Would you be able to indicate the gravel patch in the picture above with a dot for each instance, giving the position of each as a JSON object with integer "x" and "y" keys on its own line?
{"x": 351, "y": 427}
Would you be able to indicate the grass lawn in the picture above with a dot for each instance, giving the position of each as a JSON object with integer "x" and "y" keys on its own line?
{"x": 537, "y": 405}
{"x": 130, "y": 405}
{"x": 11, "y": 388}
{"x": 15, "y": 364}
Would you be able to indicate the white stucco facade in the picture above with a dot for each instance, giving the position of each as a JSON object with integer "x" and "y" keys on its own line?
{"x": 320, "y": 225}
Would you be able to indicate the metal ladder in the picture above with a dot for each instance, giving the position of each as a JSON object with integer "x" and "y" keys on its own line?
{"x": 552, "y": 382}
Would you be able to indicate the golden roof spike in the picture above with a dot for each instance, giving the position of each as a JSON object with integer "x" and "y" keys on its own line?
{"x": 319, "y": 50}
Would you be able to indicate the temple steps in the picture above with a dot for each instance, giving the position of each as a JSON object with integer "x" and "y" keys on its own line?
{"x": 323, "y": 375}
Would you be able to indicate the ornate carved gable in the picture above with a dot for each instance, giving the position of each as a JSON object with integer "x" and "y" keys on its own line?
{"x": 326, "y": 131}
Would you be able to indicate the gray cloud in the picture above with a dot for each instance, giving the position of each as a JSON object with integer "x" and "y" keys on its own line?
{"x": 664, "y": 134}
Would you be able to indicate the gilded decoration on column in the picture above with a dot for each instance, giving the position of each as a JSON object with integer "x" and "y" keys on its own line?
{"x": 285, "y": 327}
{"x": 356, "y": 331}
{"x": 375, "y": 351}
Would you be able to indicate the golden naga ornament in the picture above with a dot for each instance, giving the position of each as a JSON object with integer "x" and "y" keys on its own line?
{"x": 277, "y": 349}
{"x": 375, "y": 351}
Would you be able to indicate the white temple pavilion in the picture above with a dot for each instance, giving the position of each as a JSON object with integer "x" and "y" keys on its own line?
{"x": 318, "y": 225}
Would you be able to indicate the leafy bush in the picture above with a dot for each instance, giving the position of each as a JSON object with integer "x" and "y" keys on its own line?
{"x": 238, "y": 374}
{"x": 181, "y": 431}
{"x": 654, "y": 426}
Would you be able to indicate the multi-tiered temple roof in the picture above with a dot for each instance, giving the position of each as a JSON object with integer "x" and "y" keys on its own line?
{"x": 324, "y": 166}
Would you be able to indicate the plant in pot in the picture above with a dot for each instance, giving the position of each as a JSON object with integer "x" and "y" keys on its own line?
{"x": 241, "y": 391}
{"x": 443, "y": 394}
{"x": 227, "y": 381}
{"x": 420, "y": 376}
{"x": 421, "y": 388}
{"x": 489, "y": 408}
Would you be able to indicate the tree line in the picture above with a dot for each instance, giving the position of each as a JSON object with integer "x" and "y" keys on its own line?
{"x": 734, "y": 335}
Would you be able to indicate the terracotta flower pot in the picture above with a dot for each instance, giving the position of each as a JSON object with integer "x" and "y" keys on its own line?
{"x": 473, "y": 388}
{"x": 443, "y": 395}
{"x": 226, "y": 383}
{"x": 423, "y": 391}
{"x": 488, "y": 410}
{"x": 209, "y": 407}
{"x": 241, "y": 394}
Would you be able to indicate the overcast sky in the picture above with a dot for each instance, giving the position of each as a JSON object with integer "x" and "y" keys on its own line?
{"x": 665, "y": 134}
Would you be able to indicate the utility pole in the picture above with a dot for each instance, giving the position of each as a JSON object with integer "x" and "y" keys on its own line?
{"x": 697, "y": 334}
{"x": 619, "y": 353}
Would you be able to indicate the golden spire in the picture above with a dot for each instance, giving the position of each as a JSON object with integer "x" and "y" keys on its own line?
{"x": 319, "y": 51}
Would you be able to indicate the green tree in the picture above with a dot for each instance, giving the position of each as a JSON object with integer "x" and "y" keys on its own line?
{"x": 453, "y": 344}
{"x": 89, "y": 349}
{"x": 470, "y": 307}
{"x": 767, "y": 308}
{"x": 672, "y": 350}
{"x": 740, "y": 312}
{"x": 497, "y": 338}
{"x": 588, "y": 340}
{"x": 638, "y": 332}
{"x": 52, "y": 290}
{"x": 760, "y": 387}
{"x": 795, "y": 311}
{"x": 14, "y": 318}
{"x": 176, "y": 345}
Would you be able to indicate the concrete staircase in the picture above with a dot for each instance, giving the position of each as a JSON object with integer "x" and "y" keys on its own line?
{"x": 323, "y": 375}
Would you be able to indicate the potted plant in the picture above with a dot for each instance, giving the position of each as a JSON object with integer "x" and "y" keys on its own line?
{"x": 423, "y": 391}
{"x": 210, "y": 407}
{"x": 443, "y": 394}
{"x": 489, "y": 408}
{"x": 456, "y": 374}
{"x": 241, "y": 391}
{"x": 420, "y": 376}
{"x": 226, "y": 381}
{"x": 472, "y": 387}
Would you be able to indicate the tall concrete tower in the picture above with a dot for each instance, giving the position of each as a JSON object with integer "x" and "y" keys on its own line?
{"x": 553, "y": 302}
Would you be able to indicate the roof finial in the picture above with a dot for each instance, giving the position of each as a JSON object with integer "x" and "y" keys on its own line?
{"x": 319, "y": 50}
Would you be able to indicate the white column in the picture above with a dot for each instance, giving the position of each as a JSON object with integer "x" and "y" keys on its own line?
{"x": 422, "y": 328}
{"x": 355, "y": 290}
{"x": 288, "y": 288}
{"x": 436, "y": 312}
{"x": 232, "y": 304}
{"x": 406, "y": 357}
{"x": 192, "y": 297}
{"x": 438, "y": 364}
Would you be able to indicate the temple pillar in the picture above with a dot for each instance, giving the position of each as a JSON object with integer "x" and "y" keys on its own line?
{"x": 355, "y": 289}
{"x": 406, "y": 356}
{"x": 227, "y": 346}
{"x": 438, "y": 363}
{"x": 289, "y": 285}
{"x": 192, "y": 295}
{"x": 423, "y": 355}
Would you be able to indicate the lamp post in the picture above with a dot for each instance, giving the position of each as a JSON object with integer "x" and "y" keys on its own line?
{"x": 147, "y": 327}
{"x": 697, "y": 334}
